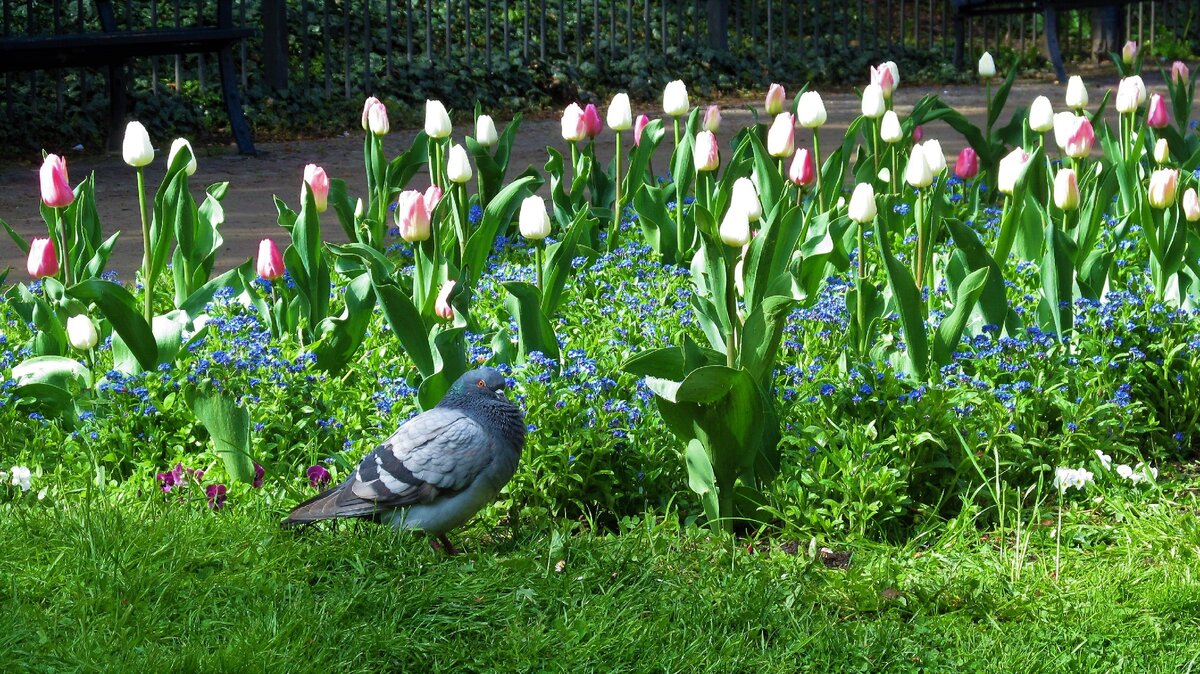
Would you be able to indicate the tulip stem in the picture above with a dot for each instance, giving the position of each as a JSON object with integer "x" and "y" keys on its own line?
{"x": 817, "y": 166}
{"x": 861, "y": 290}
{"x": 60, "y": 223}
{"x": 920, "y": 213}
{"x": 731, "y": 350}
{"x": 538, "y": 254}
{"x": 615, "y": 229}
{"x": 682, "y": 254}
{"x": 988, "y": 85}
{"x": 147, "y": 277}
{"x": 458, "y": 201}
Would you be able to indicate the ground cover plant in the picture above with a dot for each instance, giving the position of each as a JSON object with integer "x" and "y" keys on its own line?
{"x": 873, "y": 391}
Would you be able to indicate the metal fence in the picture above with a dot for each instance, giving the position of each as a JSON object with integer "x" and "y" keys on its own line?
{"x": 352, "y": 47}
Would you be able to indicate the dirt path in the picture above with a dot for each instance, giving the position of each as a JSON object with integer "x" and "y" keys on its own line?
{"x": 250, "y": 211}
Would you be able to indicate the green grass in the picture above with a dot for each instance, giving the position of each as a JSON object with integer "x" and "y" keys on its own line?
{"x": 152, "y": 587}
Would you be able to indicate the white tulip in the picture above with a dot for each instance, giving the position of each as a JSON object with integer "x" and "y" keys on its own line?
{"x": 1041, "y": 115}
{"x": 136, "y": 148}
{"x": 889, "y": 128}
{"x": 534, "y": 222}
{"x": 437, "y": 120}
{"x": 810, "y": 110}
{"x": 620, "y": 113}
{"x": 862, "y": 204}
{"x": 485, "y": 131}
{"x": 675, "y": 99}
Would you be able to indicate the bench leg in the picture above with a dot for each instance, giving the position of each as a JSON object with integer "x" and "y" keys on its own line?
{"x": 233, "y": 103}
{"x": 1051, "y": 24}
{"x": 117, "y": 104}
{"x": 959, "y": 36}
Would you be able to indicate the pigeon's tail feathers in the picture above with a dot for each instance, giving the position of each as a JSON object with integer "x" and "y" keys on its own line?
{"x": 328, "y": 505}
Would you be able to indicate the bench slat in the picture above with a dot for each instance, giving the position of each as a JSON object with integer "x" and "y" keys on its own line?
{"x": 97, "y": 49}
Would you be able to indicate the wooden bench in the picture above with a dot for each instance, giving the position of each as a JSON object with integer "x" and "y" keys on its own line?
{"x": 964, "y": 9}
{"x": 113, "y": 48}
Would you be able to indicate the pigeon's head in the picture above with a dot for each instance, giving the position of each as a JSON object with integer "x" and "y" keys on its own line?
{"x": 484, "y": 381}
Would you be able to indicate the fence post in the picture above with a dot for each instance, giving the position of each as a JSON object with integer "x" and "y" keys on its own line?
{"x": 274, "y": 44}
{"x": 718, "y": 24}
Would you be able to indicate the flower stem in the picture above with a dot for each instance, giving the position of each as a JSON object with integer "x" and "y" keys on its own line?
{"x": 615, "y": 229}
{"x": 731, "y": 350}
{"x": 678, "y": 204}
{"x": 861, "y": 290}
{"x": 920, "y": 242}
{"x": 817, "y": 167}
{"x": 60, "y": 223}
{"x": 539, "y": 253}
{"x": 147, "y": 279}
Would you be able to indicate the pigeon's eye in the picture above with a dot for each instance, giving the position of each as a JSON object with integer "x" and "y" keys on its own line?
{"x": 481, "y": 384}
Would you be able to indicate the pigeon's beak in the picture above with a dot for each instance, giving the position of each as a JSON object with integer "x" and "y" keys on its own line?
{"x": 500, "y": 394}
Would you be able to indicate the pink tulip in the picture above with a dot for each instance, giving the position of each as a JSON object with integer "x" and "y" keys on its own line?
{"x": 781, "y": 137}
{"x": 1157, "y": 117}
{"x": 43, "y": 261}
{"x": 803, "y": 171}
{"x": 1180, "y": 73}
{"x": 1129, "y": 52}
{"x": 574, "y": 127}
{"x": 706, "y": 154}
{"x": 918, "y": 134}
{"x": 367, "y": 105}
{"x": 712, "y": 119}
{"x": 377, "y": 119}
{"x": 882, "y": 75}
{"x": 412, "y": 215}
{"x": 1191, "y": 205}
{"x": 639, "y": 125}
{"x": 967, "y": 166}
{"x": 315, "y": 177}
{"x": 1163, "y": 185}
{"x": 270, "y": 261}
{"x": 775, "y": 96}
{"x": 433, "y": 196}
{"x": 442, "y": 306}
{"x": 592, "y": 126}
{"x": 56, "y": 189}
{"x": 1079, "y": 143}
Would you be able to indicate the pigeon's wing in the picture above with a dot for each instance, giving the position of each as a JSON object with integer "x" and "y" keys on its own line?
{"x": 438, "y": 451}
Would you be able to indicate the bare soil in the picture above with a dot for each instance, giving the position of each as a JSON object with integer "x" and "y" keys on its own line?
{"x": 250, "y": 211}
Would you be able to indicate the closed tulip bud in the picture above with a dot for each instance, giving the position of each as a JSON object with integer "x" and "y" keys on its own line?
{"x": 1066, "y": 190}
{"x": 1191, "y": 205}
{"x": 620, "y": 113}
{"x": 377, "y": 120}
{"x": 1012, "y": 167}
{"x": 1163, "y": 184}
{"x": 1041, "y": 115}
{"x": 917, "y": 173}
{"x": 315, "y": 177}
{"x": 485, "y": 131}
{"x": 775, "y": 96}
{"x": 781, "y": 137}
{"x": 1129, "y": 53}
{"x": 177, "y": 145}
{"x": 136, "y": 150}
{"x": 675, "y": 99}
{"x": 810, "y": 110}
{"x": 433, "y": 196}
{"x": 270, "y": 261}
{"x": 56, "y": 188}
{"x": 932, "y": 151}
{"x": 884, "y": 175}
{"x": 918, "y": 133}
{"x": 81, "y": 333}
{"x": 889, "y": 128}
{"x": 712, "y": 119}
{"x": 705, "y": 153}
{"x": 1180, "y": 73}
{"x": 534, "y": 222}
{"x": 1077, "y": 97}
{"x": 367, "y": 105}
{"x": 862, "y": 204}
{"x": 1079, "y": 143}
{"x": 735, "y": 227}
{"x": 1131, "y": 93}
{"x": 43, "y": 259}
{"x": 458, "y": 165}
{"x": 1156, "y": 116}
{"x": 803, "y": 171}
{"x": 592, "y": 126}
{"x": 412, "y": 216}
{"x": 574, "y": 128}
{"x": 359, "y": 209}
{"x": 885, "y": 78}
{"x": 442, "y": 307}
{"x": 873, "y": 105}
{"x": 639, "y": 125}
{"x": 1162, "y": 151}
{"x": 739, "y": 278}
{"x": 967, "y": 165}
{"x": 437, "y": 120}
{"x": 987, "y": 66}
{"x": 745, "y": 197}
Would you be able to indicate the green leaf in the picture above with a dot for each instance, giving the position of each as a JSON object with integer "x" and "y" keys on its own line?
{"x": 658, "y": 227}
{"x": 122, "y": 311}
{"x": 496, "y": 219}
{"x": 338, "y": 339}
{"x": 702, "y": 480}
{"x": 558, "y": 261}
{"x": 993, "y": 302}
{"x": 64, "y": 373}
{"x": 524, "y": 303}
{"x": 664, "y": 363}
{"x": 229, "y": 426}
{"x": 949, "y": 332}
{"x": 1057, "y": 280}
{"x": 908, "y": 303}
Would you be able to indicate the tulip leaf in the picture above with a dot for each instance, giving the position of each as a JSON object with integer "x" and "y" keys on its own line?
{"x": 949, "y": 332}
{"x": 908, "y": 302}
{"x": 761, "y": 337}
{"x": 639, "y": 171}
{"x": 993, "y": 302}
{"x": 22, "y": 244}
{"x": 496, "y": 218}
{"x": 658, "y": 227}
{"x": 559, "y": 258}
{"x": 228, "y": 424}
{"x": 702, "y": 480}
{"x": 1058, "y": 280}
{"x": 524, "y": 303}
{"x": 664, "y": 363}
{"x": 65, "y": 373}
{"x": 122, "y": 311}
{"x": 339, "y": 338}
{"x": 450, "y": 351}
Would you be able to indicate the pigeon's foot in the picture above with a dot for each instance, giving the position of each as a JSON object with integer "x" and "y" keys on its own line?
{"x": 444, "y": 545}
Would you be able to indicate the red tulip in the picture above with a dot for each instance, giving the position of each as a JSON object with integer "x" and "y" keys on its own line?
{"x": 43, "y": 259}
{"x": 270, "y": 261}
{"x": 591, "y": 121}
{"x": 56, "y": 189}
{"x": 967, "y": 166}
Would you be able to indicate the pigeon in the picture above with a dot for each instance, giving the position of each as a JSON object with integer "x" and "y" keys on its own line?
{"x": 438, "y": 469}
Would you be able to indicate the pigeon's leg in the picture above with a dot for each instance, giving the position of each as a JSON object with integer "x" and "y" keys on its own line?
{"x": 447, "y": 546}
